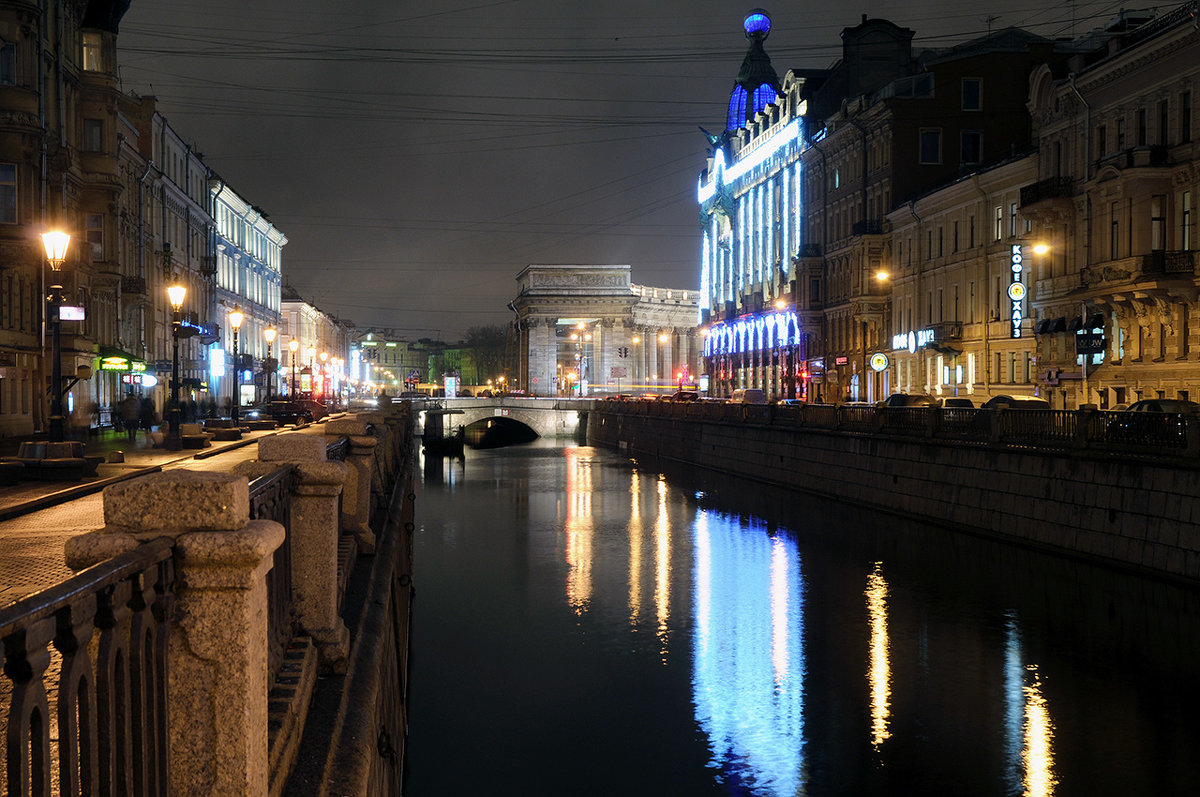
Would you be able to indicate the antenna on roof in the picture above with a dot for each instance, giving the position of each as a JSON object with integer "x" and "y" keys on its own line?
{"x": 990, "y": 20}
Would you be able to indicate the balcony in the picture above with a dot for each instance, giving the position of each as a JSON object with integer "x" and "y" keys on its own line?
{"x": 1169, "y": 262}
{"x": 867, "y": 227}
{"x": 1050, "y": 188}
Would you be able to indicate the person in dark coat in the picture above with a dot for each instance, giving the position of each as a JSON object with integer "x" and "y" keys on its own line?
{"x": 129, "y": 410}
{"x": 148, "y": 416}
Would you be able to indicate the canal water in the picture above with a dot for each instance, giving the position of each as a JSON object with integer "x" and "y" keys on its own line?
{"x": 589, "y": 625}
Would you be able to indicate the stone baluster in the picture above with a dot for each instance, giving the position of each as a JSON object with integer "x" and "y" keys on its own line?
{"x": 356, "y": 496}
{"x": 313, "y": 526}
{"x": 217, "y": 653}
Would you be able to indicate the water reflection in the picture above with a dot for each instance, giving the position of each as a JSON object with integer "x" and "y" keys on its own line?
{"x": 748, "y": 654}
{"x": 879, "y": 672}
{"x": 1029, "y": 731}
{"x": 662, "y": 567}
{"x": 579, "y": 530}
{"x": 635, "y": 549}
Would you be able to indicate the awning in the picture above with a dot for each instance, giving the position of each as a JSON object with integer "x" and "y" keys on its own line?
{"x": 1058, "y": 325}
{"x": 113, "y": 359}
{"x": 1042, "y": 327}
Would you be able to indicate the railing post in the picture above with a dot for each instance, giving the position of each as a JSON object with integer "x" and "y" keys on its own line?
{"x": 217, "y": 650}
{"x": 1083, "y": 425}
{"x": 356, "y": 497}
{"x": 313, "y": 530}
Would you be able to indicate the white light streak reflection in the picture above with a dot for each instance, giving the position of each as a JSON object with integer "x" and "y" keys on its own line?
{"x": 748, "y": 655}
{"x": 879, "y": 671}
{"x": 662, "y": 567}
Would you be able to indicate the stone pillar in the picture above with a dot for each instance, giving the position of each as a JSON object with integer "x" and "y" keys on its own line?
{"x": 356, "y": 495}
{"x": 313, "y": 529}
{"x": 217, "y": 655}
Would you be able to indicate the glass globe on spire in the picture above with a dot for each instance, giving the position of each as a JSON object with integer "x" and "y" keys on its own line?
{"x": 757, "y": 85}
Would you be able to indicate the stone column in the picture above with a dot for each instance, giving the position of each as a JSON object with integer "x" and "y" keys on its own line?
{"x": 356, "y": 495}
{"x": 313, "y": 530}
{"x": 217, "y": 654}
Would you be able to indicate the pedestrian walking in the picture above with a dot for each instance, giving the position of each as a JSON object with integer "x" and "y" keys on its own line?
{"x": 130, "y": 410}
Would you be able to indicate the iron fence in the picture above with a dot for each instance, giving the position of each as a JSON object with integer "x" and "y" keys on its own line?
{"x": 1124, "y": 432}
{"x": 271, "y": 499}
{"x": 85, "y": 677}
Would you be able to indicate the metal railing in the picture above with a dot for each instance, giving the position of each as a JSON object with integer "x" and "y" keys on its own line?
{"x": 85, "y": 672}
{"x": 271, "y": 499}
{"x": 1150, "y": 434}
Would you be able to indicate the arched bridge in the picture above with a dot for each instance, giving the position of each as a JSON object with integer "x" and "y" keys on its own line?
{"x": 549, "y": 417}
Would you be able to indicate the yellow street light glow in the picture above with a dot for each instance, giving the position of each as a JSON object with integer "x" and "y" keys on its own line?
{"x": 1041, "y": 249}
{"x": 269, "y": 333}
{"x": 294, "y": 345}
{"x": 881, "y": 275}
{"x": 56, "y": 243}
{"x": 235, "y": 318}
{"x": 780, "y": 304}
{"x": 176, "y": 294}
{"x": 662, "y": 338}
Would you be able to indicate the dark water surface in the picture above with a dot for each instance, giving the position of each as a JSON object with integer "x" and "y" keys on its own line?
{"x": 587, "y": 625}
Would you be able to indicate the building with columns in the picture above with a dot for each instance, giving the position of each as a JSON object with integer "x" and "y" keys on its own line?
{"x": 587, "y": 329}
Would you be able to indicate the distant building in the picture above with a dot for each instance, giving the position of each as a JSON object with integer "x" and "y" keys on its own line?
{"x": 587, "y": 329}
{"x": 319, "y": 366}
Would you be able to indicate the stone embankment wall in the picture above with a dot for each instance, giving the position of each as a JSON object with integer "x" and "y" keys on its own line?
{"x": 1097, "y": 505}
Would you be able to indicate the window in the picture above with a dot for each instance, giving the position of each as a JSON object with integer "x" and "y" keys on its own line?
{"x": 1185, "y": 223}
{"x": 999, "y": 227}
{"x": 1101, "y": 141}
{"x": 95, "y": 235}
{"x": 1164, "y": 119}
{"x": 1158, "y": 222}
{"x": 931, "y": 146}
{"x": 93, "y": 54}
{"x": 1185, "y": 117}
{"x": 972, "y": 146}
{"x": 8, "y": 63}
{"x": 972, "y": 94}
{"x": 1012, "y": 219}
{"x": 93, "y": 135}
{"x": 1120, "y": 135}
{"x": 1141, "y": 127}
{"x": 1114, "y": 238}
{"x": 8, "y": 193}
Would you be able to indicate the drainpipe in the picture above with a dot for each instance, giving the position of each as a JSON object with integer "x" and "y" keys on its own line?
{"x": 824, "y": 246}
{"x": 987, "y": 281}
{"x": 912, "y": 210}
{"x": 1087, "y": 143}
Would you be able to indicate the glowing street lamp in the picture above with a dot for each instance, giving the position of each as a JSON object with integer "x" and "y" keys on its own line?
{"x": 235, "y": 321}
{"x": 175, "y": 294}
{"x": 56, "y": 243}
{"x": 294, "y": 345}
{"x": 269, "y": 333}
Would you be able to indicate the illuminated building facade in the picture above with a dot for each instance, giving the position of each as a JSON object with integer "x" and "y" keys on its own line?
{"x": 756, "y": 333}
{"x": 1115, "y": 197}
{"x": 248, "y": 258}
{"x": 588, "y": 329}
{"x": 322, "y": 361}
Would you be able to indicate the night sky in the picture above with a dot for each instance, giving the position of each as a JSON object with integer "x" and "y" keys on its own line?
{"x": 418, "y": 156}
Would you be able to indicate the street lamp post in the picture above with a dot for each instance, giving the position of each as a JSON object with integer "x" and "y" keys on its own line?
{"x": 324, "y": 359}
{"x": 176, "y": 294}
{"x": 56, "y": 252}
{"x": 312, "y": 370}
{"x": 269, "y": 334}
{"x": 294, "y": 346}
{"x": 235, "y": 321}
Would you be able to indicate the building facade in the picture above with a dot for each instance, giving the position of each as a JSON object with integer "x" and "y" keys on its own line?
{"x": 1118, "y": 175}
{"x": 319, "y": 366}
{"x": 248, "y": 255}
{"x": 587, "y": 329}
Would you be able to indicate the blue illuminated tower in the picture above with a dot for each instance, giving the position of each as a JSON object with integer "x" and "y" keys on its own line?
{"x": 757, "y": 85}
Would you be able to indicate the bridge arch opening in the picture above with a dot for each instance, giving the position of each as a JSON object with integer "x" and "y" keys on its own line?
{"x": 497, "y": 432}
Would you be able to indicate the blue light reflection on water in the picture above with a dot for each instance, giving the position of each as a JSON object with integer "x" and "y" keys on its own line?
{"x": 748, "y": 654}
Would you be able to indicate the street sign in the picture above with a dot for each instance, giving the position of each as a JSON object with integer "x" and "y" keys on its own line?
{"x": 1089, "y": 342}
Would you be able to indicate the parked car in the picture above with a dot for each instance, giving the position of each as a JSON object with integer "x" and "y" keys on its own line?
{"x": 684, "y": 395}
{"x": 1016, "y": 403}
{"x": 1151, "y": 421}
{"x": 282, "y": 412}
{"x": 748, "y": 395}
{"x": 960, "y": 402}
{"x": 908, "y": 400}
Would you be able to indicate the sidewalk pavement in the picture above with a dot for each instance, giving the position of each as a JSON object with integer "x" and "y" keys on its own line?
{"x": 36, "y": 518}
